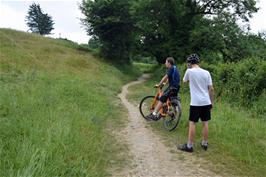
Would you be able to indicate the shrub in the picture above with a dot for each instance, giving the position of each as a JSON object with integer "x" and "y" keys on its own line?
{"x": 241, "y": 83}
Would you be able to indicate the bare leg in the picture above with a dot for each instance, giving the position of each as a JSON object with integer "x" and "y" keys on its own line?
{"x": 205, "y": 131}
{"x": 191, "y": 132}
{"x": 158, "y": 107}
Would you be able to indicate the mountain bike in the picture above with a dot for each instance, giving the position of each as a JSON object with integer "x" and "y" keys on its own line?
{"x": 170, "y": 111}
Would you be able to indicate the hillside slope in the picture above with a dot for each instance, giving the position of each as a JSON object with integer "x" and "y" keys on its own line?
{"x": 54, "y": 106}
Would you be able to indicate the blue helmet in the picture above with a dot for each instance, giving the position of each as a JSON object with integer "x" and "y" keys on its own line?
{"x": 193, "y": 59}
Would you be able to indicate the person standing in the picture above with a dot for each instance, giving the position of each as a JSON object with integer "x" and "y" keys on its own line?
{"x": 202, "y": 95}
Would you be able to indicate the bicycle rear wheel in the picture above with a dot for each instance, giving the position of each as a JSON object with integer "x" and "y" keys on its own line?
{"x": 172, "y": 119}
{"x": 146, "y": 106}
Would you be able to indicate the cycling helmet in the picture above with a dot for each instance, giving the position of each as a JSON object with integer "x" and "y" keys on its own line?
{"x": 193, "y": 59}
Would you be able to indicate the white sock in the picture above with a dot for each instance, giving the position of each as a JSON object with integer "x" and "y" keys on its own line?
{"x": 154, "y": 113}
{"x": 189, "y": 145}
{"x": 204, "y": 142}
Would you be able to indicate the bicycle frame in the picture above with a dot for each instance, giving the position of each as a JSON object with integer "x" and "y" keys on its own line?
{"x": 162, "y": 112}
{"x": 170, "y": 111}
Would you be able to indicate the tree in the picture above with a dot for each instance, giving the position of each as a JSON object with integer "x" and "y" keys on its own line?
{"x": 160, "y": 28}
{"x": 166, "y": 27}
{"x": 220, "y": 35}
{"x": 222, "y": 38}
{"x": 111, "y": 23}
{"x": 39, "y": 22}
{"x": 242, "y": 8}
{"x": 94, "y": 42}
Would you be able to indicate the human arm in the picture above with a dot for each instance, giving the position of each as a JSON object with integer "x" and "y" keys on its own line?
{"x": 163, "y": 80}
{"x": 186, "y": 78}
{"x": 211, "y": 94}
{"x": 210, "y": 89}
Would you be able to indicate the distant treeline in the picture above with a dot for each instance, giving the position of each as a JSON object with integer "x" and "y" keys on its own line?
{"x": 124, "y": 30}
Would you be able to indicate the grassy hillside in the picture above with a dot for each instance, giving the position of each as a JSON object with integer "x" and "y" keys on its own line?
{"x": 56, "y": 102}
{"x": 237, "y": 139}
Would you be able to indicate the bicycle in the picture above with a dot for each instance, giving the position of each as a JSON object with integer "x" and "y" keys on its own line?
{"x": 170, "y": 111}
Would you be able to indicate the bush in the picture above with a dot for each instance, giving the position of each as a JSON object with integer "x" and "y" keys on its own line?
{"x": 241, "y": 83}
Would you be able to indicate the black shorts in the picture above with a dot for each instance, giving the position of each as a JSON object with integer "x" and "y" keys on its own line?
{"x": 202, "y": 112}
{"x": 169, "y": 92}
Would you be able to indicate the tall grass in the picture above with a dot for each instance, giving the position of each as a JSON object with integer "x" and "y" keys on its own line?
{"x": 145, "y": 67}
{"x": 237, "y": 139}
{"x": 55, "y": 105}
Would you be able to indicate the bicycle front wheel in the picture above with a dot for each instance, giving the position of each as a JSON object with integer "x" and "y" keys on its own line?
{"x": 172, "y": 119}
{"x": 147, "y": 105}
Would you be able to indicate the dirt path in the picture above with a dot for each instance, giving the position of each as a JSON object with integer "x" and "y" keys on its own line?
{"x": 150, "y": 156}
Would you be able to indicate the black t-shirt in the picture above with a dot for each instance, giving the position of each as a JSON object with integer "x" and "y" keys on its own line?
{"x": 173, "y": 77}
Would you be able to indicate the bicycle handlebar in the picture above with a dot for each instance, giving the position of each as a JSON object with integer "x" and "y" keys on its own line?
{"x": 160, "y": 86}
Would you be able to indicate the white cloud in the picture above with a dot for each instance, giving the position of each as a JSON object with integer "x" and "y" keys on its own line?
{"x": 9, "y": 18}
{"x": 41, "y": 0}
{"x": 65, "y": 15}
{"x": 258, "y": 22}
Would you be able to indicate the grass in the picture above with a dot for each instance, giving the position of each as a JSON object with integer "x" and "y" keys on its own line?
{"x": 237, "y": 140}
{"x": 57, "y": 104}
{"x": 58, "y": 107}
{"x": 145, "y": 67}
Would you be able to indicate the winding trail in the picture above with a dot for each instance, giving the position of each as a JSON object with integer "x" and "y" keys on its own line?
{"x": 151, "y": 158}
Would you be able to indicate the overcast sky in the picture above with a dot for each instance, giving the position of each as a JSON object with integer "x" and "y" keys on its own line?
{"x": 66, "y": 15}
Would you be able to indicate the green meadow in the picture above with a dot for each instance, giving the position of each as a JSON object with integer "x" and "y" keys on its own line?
{"x": 57, "y": 104}
{"x": 59, "y": 107}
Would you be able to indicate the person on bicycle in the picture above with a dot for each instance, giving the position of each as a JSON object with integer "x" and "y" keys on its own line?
{"x": 201, "y": 93}
{"x": 173, "y": 78}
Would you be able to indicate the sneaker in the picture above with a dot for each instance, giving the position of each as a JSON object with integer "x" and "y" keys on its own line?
{"x": 204, "y": 147}
{"x": 184, "y": 147}
{"x": 152, "y": 117}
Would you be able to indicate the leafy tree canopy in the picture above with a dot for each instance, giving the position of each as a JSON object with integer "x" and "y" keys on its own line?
{"x": 111, "y": 22}
{"x": 39, "y": 22}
